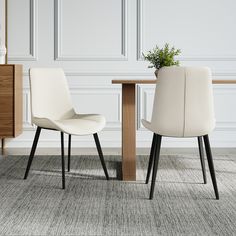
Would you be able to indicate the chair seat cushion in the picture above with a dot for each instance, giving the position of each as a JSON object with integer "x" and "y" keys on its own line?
{"x": 79, "y": 124}
{"x": 171, "y": 132}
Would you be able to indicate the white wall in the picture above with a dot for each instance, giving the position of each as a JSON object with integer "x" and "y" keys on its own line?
{"x": 96, "y": 41}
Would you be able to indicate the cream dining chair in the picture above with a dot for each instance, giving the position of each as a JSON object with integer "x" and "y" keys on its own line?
{"x": 183, "y": 107}
{"x": 51, "y": 108}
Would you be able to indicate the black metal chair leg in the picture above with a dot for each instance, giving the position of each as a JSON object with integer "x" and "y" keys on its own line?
{"x": 201, "y": 153}
{"x": 62, "y": 160}
{"x": 69, "y": 152}
{"x": 151, "y": 158}
{"x": 211, "y": 165}
{"x": 35, "y": 142}
{"x": 155, "y": 165}
{"x": 101, "y": 154}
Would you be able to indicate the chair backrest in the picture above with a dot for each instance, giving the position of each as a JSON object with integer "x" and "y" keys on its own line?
{"x": 183, "y": 103}
{"x": 50, "y": 97}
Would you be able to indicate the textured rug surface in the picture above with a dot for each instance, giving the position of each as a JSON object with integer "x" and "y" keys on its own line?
{"x": 90, "y": 205}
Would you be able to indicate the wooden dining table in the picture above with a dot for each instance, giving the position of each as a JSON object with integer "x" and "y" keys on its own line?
{"x": 129, "y": 123}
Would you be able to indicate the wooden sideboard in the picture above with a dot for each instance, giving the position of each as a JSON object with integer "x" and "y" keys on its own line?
{"x": 11, "y": 104}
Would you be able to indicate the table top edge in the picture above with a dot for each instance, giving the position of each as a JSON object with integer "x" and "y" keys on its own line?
{"x": 120, "y": 81}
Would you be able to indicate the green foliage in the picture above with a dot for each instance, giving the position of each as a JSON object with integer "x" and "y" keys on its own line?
{"x": 160, "y": 57}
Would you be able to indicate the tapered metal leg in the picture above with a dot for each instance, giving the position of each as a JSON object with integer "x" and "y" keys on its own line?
{"x": 201, "y": 153}
{"x": 69, "y": 152}
{"x": 211, "y": 165}
{"x": 151, "y": 157}
{"x": 155, "y": 165}
{"x": 35, "y": 142}
{"x": 101, "y": 154}
{"x": 62, "y": 160}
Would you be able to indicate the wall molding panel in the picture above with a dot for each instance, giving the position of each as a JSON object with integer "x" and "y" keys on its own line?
{"x": 58, "y": 47}
{"x": 141, "y": 41}
{"x": 33, "y": 31}
{"x": 111, "y": 125}
{"x": 26, "y": 112}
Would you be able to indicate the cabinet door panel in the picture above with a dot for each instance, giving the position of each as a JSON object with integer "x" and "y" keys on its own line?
{"x": 6, "y": 101}
{"x": 6, "y": 70}
{"x": 6, "y": 85}
{"x": 10, "y": 100}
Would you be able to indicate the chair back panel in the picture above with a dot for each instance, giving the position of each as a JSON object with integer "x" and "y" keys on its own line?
{"x": 183, "y": 102}
{"x": 50, "y": 97}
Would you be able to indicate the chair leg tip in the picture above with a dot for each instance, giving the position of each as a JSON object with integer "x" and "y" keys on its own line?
{"x": 151, "y": 196}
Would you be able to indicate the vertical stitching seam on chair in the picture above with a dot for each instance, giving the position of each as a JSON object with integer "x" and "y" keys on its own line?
{"x": 184, "y": 123}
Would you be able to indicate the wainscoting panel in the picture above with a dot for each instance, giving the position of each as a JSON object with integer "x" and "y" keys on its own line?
{"x": 194, "y": 26}
{"x": 96, "y": 100}
{"x": 22, "y": 40}
{"x": 94, "y": 19}
{"x": 26, "y": 111}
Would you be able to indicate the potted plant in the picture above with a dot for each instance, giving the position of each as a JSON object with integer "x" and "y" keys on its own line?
{"x": 160, "y": 57}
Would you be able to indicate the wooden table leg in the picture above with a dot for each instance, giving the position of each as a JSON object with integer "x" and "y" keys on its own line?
{"x": 128, "y": 132}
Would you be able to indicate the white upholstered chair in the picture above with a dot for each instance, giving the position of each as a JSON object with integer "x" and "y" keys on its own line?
{"x": 51, "y": 108}
{"x": 183, "y": 107}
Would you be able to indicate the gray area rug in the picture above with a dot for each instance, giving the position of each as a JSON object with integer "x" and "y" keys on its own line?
{"x": 90, "y": 205}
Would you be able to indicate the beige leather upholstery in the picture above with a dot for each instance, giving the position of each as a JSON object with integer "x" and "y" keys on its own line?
{"x": 183, "y": 102}
{"x": 52, "y": 108}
